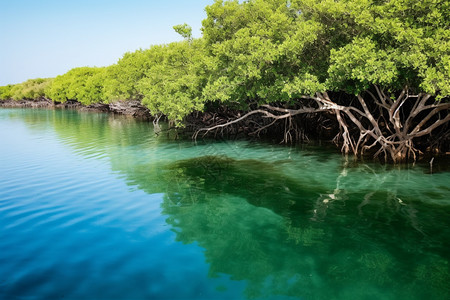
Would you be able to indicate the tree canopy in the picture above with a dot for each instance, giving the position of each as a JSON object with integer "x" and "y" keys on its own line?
{"x": 173, "y": 84}
{"x": 82, "y": 84}
{"x": 287, "y": 53}
{"x": 275, "y": 50}
{"x": 31, "y": 89}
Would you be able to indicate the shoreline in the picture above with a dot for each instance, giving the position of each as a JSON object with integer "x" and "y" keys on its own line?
{"x": 129, "y": 108}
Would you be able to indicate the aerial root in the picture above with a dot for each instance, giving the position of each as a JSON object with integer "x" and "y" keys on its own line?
{"x": 387, "y": 128}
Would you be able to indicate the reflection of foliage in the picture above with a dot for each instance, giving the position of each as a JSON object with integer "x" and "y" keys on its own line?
{"x": 239, "y": 238}
{"x": 435, "y": 273}
{"x": 378, "y": 265}
{"x": 98, "y": 132}
{"x": 308, "y": 236}
{"x": 261, "y": 184}
{"x": 256, "y": 222}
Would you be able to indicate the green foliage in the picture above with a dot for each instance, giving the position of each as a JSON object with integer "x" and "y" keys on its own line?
{"x": 125, "y": 75}
{"x": 274, "y": 50}
{"x": 241, "y": 54}
{"x": 184, "y": 30}
{"x": 31, "y": 89}
{"x": 94, "y": 87}
{"x": 83, "y": 84}
{"x": 5, "y": 92}
{"x": 359, "y": 64}
{"x": 173, "y": 83}
{"x": 389, "y": 43}
{"x": 258, "y": 48}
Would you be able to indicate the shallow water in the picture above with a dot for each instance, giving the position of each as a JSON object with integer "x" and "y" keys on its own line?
{"x": 95, "y": 206}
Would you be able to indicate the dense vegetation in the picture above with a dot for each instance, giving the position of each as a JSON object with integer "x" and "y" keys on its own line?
{"x": 379, "y": 70}
{"x": 30, "y": 89}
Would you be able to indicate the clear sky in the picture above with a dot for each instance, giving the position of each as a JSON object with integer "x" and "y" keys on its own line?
{"x": 46, "y": 38}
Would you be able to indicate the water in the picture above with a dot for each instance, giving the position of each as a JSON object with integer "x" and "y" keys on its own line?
{"x": 94, "y": 206}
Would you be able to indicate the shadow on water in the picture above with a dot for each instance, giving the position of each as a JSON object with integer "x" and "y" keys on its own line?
{"x": 259, "y": 183}
{"x": 284, "y": 238}
{"x": 309, "y": 227}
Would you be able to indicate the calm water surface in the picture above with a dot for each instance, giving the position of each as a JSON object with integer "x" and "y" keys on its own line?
{"x": 94, "y": 206}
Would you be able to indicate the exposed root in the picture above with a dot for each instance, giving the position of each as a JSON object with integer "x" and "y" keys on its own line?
{"x": 385, "y": 127}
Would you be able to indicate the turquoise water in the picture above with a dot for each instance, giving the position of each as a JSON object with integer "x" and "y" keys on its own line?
{"x": 95, "y": 206}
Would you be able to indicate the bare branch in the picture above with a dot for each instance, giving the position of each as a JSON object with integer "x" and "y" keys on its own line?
{"x": 431, "y": 127}
{"x": 429, "y": 116}
{"x": 287, "y": 113}
{"x": 382, "y": 96}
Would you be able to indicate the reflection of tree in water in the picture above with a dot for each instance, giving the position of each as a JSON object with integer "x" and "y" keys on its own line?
{"x": 240, "y": 238}
{"x": 350, "y": 237}
{"x": 259, "y": 225}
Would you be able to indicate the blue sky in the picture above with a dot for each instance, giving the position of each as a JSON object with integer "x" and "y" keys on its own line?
{"x": 46, "y": 38}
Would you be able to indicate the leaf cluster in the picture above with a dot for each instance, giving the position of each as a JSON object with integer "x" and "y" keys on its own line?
{"x": 276, "y": 51}
{"x": 173, "y": 84}
{"x": 85, "y": 84}
{"x": 31, "y": 89}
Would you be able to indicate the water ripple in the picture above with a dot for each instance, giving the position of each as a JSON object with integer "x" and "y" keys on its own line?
{"x": 93, "y": 206}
